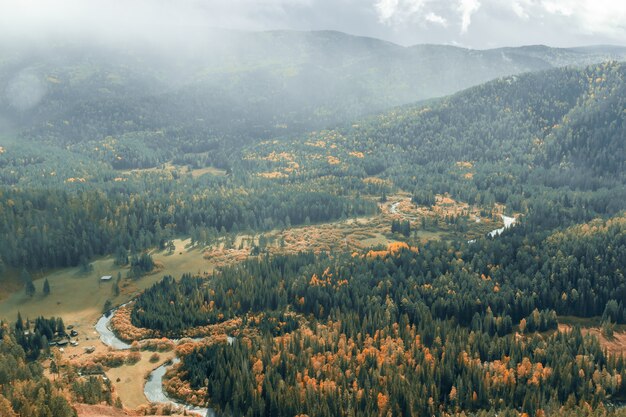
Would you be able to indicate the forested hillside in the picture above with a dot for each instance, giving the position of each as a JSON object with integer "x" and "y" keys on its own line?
{"x": 379, "y": 230}
{"x": 243, "y": 86}
{"x": 429, "y": 330}
{"x": 524, "y": 141}
{"x": 547, "y": 144}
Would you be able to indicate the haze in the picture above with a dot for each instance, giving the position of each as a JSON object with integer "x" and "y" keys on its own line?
{"x": 479, "y": 24}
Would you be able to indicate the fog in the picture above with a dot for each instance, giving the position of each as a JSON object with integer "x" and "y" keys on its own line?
{"x": 25, "y": 90}
{"x": 171, "y": 25}
{"x": 253, "y": 65}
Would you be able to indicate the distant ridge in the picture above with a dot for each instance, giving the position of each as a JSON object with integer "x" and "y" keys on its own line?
{"x": 231, "y": 81}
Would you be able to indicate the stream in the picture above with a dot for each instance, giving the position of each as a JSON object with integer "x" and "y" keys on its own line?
{"x": 153, "y": 389}
{"x": 106, "y": 335}
{"x": 508, "y": 222}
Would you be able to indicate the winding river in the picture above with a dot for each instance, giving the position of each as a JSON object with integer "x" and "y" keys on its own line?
{"x": 106, "y": 335}
{"x": 153, "y": 389}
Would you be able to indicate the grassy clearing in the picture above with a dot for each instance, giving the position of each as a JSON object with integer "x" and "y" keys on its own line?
{"x": 615, "y": 346}
{"x": 85, "y": 410}
{"x": 581, "y": 322}
{"x": 10, "y": 283}
{"x": 132, "y": 378}
{"x": 79, "y": 297}
{"x": 168, "y": 167}
{"x": 208, "y": 170}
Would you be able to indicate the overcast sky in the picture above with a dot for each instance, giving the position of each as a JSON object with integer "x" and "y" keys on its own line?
{"x": 470, "y": 23}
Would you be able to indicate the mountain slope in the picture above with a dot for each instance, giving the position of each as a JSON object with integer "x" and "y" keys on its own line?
{"x": 239, "y": 84}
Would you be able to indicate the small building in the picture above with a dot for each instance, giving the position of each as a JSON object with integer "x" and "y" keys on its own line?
{"x": 90, "y": 349}
{"x": 62, "y": 342}
{"x": 73, "y": 333}
{"x": 106, "y": 278}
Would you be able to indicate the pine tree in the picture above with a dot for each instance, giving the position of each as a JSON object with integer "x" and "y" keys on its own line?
{"x": 46, "y": 287}
{"x": 30, "y": 288}
{"x": 19, "y": 324}
{"x": 116, "y": 288}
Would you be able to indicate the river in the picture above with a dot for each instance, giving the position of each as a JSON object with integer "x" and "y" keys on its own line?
{"x": 153, "y": 389}
{"x": 106, "y": 335}
{"x": 508, "y": 222}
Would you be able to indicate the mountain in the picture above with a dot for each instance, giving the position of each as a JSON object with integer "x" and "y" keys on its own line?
{"x": 546, "y": 144}
{"x": 242, "y": 85}
{"x": 523, "y": 141}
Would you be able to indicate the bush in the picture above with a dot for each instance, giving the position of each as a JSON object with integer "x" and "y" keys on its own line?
{"x": 133, "y": 358}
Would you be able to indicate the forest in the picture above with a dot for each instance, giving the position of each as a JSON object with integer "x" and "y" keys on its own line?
{"x": 434, "y": 329}
{"x": 519, "y": 141}
{"x": 24, "y": 388}
{"x": 426, "y": 324}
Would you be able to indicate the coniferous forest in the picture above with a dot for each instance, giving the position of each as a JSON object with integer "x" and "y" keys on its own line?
{"x": 424, "y": 314}
{"x": 433, "y": 330}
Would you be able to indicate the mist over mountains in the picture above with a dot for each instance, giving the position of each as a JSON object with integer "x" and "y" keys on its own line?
{"x": 244, "y": 83}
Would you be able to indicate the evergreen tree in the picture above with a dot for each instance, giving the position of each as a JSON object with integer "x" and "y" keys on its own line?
{"x": 30, "y": 289}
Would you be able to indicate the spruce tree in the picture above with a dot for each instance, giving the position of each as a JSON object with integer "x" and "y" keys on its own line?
{"x": 30, "y": 288}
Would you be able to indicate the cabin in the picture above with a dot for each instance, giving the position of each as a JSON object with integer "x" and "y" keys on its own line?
{"x": 106, "y": 278}
{"x": 62, "y": 342}
{"x": 90, "y": 349}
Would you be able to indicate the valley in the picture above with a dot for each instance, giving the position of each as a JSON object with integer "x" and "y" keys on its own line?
{"x": 380, "y": 243}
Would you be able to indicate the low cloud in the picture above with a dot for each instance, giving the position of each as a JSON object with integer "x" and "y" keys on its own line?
{"x": 604, "y": 17}
{"x": 435, "y": 18}
{"x": 467, "y": 9}
{"x": 398, "y": 11}
{"x": 25, "y": 90}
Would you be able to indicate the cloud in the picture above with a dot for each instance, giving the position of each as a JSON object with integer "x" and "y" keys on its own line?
{"x": 467, "y": 8}
{"x": 398, "y": 11}
{"x": 386, "y": 9}
{"x": 602, "y": 17}
{"x": 172, "y": 25}
{"x": 435, "y": 18}
{"x": 557, "y": 7}
{"x": 556, "y": 19}
{"x": 519, "y": 8}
